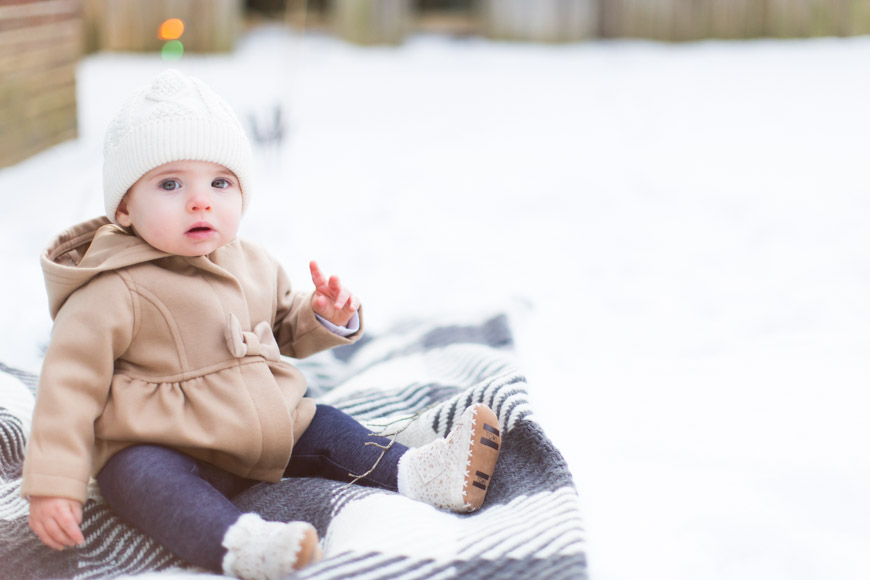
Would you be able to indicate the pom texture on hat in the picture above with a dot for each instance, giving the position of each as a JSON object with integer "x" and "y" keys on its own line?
{"x": 175, "y": 118}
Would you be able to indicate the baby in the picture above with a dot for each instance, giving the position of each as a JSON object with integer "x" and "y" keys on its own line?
{"x": 164, "y": 377}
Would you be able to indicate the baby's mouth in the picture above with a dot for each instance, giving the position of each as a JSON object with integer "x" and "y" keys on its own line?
{"x": 199, "y": 230}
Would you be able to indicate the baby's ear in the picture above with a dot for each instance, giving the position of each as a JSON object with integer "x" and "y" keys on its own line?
{"x": 122, "y": 214}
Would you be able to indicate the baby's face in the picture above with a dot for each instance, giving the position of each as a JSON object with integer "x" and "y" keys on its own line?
{"x": 187, "y": 208}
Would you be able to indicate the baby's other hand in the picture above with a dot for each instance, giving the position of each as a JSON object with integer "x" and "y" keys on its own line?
{"x": 331, "y": 300}
{"x": 56, "y": 521}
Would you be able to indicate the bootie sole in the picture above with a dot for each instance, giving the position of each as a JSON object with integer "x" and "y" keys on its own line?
{"x": 484, "y": 446}
{"x": 309, "y": 550}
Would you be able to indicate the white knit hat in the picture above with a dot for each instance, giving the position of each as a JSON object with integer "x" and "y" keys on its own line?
{"x": 175, "y": 118}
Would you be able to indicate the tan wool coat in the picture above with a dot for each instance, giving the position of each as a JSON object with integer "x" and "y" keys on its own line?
{"x": 149, "y": 347}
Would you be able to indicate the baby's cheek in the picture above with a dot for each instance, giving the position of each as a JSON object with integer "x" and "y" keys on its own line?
{"x": 161, "y": 233}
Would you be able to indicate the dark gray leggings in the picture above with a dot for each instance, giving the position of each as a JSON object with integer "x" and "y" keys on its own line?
{"x": 184, "y": 504}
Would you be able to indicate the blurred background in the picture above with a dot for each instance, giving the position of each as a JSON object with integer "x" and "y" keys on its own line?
{"x": 669, "y": 198}
{"x": 41, "y": 40}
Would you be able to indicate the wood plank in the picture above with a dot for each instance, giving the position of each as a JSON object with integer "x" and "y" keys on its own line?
{"x": 18, "y": 107}
{"x": 21, "y": 61}
{"x": 46, "y": 80}
{"x": 43, "y": 35}
{"x": 30, "y": 126}
{"x": 27, "y": 10}
{"x": 38, "y": 134}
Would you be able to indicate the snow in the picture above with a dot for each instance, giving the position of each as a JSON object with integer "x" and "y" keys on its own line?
{"x": 677, "y": 231}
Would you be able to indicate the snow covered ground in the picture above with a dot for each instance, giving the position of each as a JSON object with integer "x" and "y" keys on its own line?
{"x": 679, "y": 233}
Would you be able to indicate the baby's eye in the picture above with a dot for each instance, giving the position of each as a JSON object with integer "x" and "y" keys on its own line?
{"x": 170, "y": 184}
{"x": 221, "y": 183}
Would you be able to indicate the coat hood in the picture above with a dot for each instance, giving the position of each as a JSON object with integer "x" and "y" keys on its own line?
{"x": 82, "y": 252}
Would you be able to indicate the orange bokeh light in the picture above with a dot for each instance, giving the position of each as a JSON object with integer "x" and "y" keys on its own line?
{"x": 171, "y": 29}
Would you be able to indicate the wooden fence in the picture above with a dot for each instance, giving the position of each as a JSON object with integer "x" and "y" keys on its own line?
{"x": 541, "y": 20}
{"x": 672, "y": 20}
{"x": 40, "y": 43}
{"x": 372, "y": 21}
{"x": 132, "y": 25}
{"x": 41, "y": 40}
{"x": 678, "y": 20}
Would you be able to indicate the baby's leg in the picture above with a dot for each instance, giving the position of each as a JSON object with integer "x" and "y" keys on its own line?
{"x": 162, "y": 492}
{"x": 183, "y": 505}
{"x": 334, "y": 447}
{"x": 452, "y": 473}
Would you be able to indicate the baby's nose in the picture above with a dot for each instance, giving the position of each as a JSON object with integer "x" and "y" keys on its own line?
{"x": 199, "y": 201}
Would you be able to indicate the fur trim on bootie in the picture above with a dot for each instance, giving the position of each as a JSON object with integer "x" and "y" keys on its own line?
{"x": 454, "y": 473}
{"x": 261, "y": 550}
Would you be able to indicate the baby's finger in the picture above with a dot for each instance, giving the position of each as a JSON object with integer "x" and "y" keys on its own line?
{"x": 69, "y": 525}
{"x": 352, "y": 304}
{"x": 342, "y": 299}
{"x": 334, "y": 284}
{"x": 320, "y": 303}
{"x": 316, "y": 275}
{"x": 39, "y": 530}
{"x": 59, "y": 539}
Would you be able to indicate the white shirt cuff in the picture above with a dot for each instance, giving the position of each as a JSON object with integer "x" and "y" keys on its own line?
{"x": 345, "y": 331}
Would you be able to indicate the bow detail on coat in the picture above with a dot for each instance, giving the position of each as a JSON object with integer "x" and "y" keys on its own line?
{"x": 260, "y": 342}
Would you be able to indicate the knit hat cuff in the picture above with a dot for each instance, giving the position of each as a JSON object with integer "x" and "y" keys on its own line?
{"x": 173, "y": 139}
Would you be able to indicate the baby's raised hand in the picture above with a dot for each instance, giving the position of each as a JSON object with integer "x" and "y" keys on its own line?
{"x": 331, "y": 300}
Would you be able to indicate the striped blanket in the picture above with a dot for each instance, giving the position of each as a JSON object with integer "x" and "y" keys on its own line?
{"x": 411, "y": 382}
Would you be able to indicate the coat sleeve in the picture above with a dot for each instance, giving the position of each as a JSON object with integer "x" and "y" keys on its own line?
{"x": 93, "y": 328}
{"x": 297, "y": 330}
